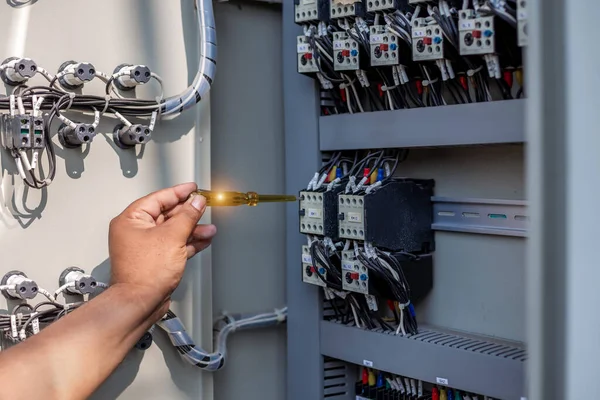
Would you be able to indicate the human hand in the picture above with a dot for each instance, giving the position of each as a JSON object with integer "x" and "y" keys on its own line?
{"x": 150, "y": 242}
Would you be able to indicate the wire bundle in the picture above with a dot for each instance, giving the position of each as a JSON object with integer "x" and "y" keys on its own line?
{"x": 225, "y": 325}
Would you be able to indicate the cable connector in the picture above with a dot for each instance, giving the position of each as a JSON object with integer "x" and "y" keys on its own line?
{"x": 15, "y": 71}
{"x": 16, "y": 286}
{"x": 127, "y": 137}
{"x": 73, "y": 135}
{"x": 75, "y": 281}
{"x": 73, "y": 75}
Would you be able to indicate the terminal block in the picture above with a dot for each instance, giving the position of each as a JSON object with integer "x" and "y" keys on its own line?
{"x": 16, "y": 131}
{"x": 319, "y": 213}
{"x": 307, "y": 11}
{"x": 417, "y": 270}
{"x": 522, "y": 22}
{"x": 477, "y": 34}
{"x": 76, "y": 136}
{"x": 428, "y": 41}
{"x": 397, "y": 216}
{"x": 346, "y": 53}
{"x": 127, "y": 137}
{"x": 307, "y": 64}
{"x": 346, "y": 9}
{"x": 20, "y": 286}
{"x": 309, "y": 270}
{"x": 383, "y": 5}
{"x": 15, "y": 71}
{"x": 384, "y": 47}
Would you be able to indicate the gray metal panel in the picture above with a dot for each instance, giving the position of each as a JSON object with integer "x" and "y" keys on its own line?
{"x": 249, "y": 250}
{"x": 305, "y": 363}
{"x": 483, "y": 216}
{"x": 477, "y": 123}
{"x": 467, "y": 369}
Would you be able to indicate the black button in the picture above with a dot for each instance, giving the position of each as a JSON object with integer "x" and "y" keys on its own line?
{"x": 341, "y": 216}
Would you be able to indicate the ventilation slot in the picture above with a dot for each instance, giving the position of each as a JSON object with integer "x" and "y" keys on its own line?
{"x": 335, "y": 382}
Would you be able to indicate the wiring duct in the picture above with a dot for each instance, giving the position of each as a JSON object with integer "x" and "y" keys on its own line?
{"x": 226, "y": 325}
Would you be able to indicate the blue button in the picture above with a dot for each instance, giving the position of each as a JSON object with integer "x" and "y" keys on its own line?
{"x": 322, "y": 271}
{"x": 393, "y": 46}
{"x": 363, "y": 277}
{"x": 354, "y": 53}
{"x": 488, "y": 33}
{"x": 437, "y": 40}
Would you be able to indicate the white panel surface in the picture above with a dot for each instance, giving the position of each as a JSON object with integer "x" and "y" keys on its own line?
{"x": 67, "y": 224}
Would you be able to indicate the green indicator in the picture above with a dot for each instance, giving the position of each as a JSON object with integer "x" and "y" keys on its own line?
{"x": 24, "y": 131}
{"x": 497, "y": 216}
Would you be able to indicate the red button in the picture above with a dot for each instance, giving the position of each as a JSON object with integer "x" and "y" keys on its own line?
{"x": 312, "y": 269}
{"x": 427, "y": 40}
{"x": 384, "y": 47}
{"x": 308, "y": 56}
{"x": 354, "y": 275}
{"x": 476, "y": 34}
{"x": 346, "y": 53}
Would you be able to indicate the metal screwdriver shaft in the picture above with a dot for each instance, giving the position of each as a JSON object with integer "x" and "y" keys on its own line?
{"x": 232, "y": 199}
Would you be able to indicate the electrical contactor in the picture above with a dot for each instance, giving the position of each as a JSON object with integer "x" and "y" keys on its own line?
{"x": 307, "y": 64}
{"x": 522, "y": 22}
{"x": 307, "y": 11}
{"x": 383, "y": 5}
{"x": 21, "y": 132}
{"x": 428, "y": 41}
{"x": 346, "y": 52}
{"x": 384, "y": 47}
{"x": 310, "y": 272}
{"x": 396, "y": 216}
{"x": 319, "y": 213}
{"x": 477, "y": 34}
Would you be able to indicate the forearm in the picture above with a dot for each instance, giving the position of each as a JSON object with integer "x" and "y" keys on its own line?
{"x": 73, "y": 356}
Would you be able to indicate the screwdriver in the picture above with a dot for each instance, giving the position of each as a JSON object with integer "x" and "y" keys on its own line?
{"x": 230, "y": 199}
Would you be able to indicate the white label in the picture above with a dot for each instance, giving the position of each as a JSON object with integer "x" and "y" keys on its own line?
{"x": 34, "y": 160}
{"x": 354, "y": 217}
{"x": 419, "y": 32}
{"x": 441, "y": 381}
{"x": 467, "y": 24}
{"x": 368, "y": 363}
{"x": 302, "y": 48}
{"x": 338, "y": 45}
{"x": 314, "y": 213}
{"x": 347, "y": 267}
{"x": 35, "y": 326}
{"x": 371, "y": 302}
{"x": 376, "y": 38}
{"x": 306, "y": 259}
{"x": 13, "y": 325}
{"x": 307, "y": 2}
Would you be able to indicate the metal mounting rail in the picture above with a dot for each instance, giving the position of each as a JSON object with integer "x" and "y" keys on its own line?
{"x": 483, "y": 216}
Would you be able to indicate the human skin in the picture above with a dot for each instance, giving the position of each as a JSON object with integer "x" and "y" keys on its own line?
{"x": 149, "y": 244}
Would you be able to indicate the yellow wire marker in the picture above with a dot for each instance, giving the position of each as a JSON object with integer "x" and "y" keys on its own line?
{"x": 231, "y": 199}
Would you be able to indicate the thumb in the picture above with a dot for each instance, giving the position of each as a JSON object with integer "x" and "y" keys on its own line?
{"x": 183, "y": 222}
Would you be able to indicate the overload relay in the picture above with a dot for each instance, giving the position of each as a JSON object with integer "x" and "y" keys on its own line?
{"x": 397, "y": 216}
{"x": 310, "y": 272}
{"x": 417, "y": 270}
{"x": 428, "y": 41}
{"x": 477, "y": 34}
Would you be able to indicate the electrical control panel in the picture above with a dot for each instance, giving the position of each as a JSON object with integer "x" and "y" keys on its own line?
{"x": 311, "y": 11}
{"x": 306, "y": 62}
{"x": 345, "y": 8}
{"x": 396, "y": 216}
{"x": 346, "y": 52}
{"x": 384, "y": 47}
{"x": 428, "y": 41}
{"x": 310, "y": 273}
{"x": 522, "y": 22}
{"x": 355, "y": 276}
{"x": 477, "y": 35}
{"x": 382, "y": 5}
